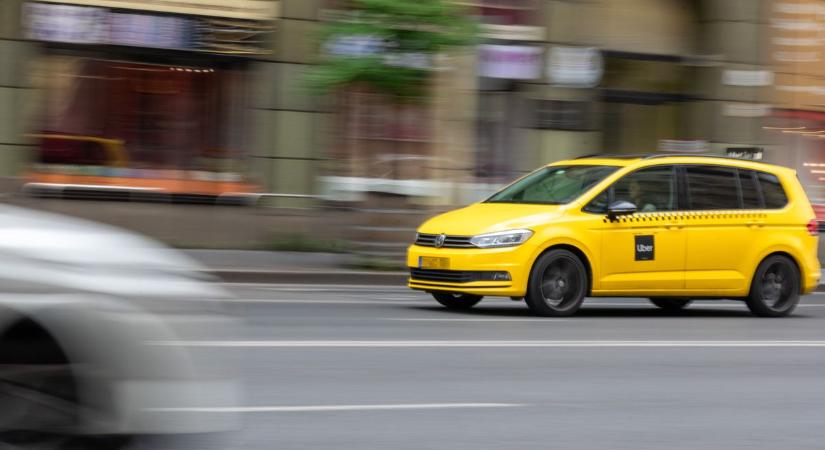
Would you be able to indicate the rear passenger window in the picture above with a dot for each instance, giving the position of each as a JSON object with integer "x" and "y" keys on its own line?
{"x": 750, "y": 190}
{"x": 772, "y": 191}
{"x": 712, "y": 187}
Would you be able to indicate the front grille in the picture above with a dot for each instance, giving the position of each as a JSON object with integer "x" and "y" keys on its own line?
{"x": 450, "y": 276}
{"x": 428, "y": 240}
{"x": 457, "y": 276}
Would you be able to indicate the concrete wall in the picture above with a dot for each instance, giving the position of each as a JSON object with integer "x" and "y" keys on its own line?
{"x": 16, "y": 94}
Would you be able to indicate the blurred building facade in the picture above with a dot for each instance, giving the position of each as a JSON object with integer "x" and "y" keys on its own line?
{"x": 208, "y": 96}
{"x": 190, "y": 98}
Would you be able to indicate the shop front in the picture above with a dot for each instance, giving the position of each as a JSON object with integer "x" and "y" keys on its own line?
{"x": 138, "y": 101}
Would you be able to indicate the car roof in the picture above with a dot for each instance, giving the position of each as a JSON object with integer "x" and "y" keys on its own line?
{"x": 660, "y": 158}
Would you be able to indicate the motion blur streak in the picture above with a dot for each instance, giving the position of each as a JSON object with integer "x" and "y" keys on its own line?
{"x": 225, "y": 176}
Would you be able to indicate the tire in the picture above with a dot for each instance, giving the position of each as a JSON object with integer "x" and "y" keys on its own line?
{"x": 557, "y": 285}
{"x": 456, "y": 302}
{"x": 671, "y": 303}
{"x": 774, "y": 288}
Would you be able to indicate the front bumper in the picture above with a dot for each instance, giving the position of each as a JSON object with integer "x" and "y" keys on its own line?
{"x": 514, "y": 260}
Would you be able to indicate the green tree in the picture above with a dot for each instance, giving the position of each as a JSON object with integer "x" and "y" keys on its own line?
{"x": 389, "y": 45}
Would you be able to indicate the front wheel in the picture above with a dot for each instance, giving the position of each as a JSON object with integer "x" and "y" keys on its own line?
{"x": 670, "y": 304}
{"x": 457, "y": 302}
{"x": 558, "y": 284}
{"x": 775, "y": 288}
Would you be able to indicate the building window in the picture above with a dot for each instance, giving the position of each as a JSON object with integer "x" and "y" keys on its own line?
{"x": 376, "y": 116}
{"x": 563, "y": 115}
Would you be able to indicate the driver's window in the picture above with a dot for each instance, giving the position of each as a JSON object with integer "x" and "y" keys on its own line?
{"x": 651, "y": 189}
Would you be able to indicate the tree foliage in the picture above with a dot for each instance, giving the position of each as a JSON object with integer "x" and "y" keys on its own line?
{"x": 389, "y": 45}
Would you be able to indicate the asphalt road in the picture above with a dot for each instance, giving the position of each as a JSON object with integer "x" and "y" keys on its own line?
{"x": 383, "y": 368}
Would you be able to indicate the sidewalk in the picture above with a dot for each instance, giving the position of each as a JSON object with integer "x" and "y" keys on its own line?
{"x": 241, "y": 266}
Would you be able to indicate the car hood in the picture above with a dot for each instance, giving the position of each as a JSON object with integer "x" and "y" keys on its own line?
{"x": 50, "y": 253}
{"x": 67, "y": 240}
{"x": 489, "y": 217}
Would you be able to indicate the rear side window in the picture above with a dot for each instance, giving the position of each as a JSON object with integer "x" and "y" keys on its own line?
{"x": 772, "y": 191}
{"x": 712, "y": 187}
{"x": 750, "y": 189}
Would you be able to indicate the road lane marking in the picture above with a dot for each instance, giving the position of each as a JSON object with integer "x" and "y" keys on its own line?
{"x": 324, "y": 288}
{"x": 694, "y": 306}
{"x": 470, "y": 319}
{"x": 321, "y": 408}
{"x": 328, "y": 302}
{"x": 491, "y": 344}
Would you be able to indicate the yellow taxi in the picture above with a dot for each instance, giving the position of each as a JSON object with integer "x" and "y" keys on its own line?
{"x": 671, "y": 228}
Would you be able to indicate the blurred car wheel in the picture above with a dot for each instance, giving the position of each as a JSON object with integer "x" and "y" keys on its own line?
{"x": 775, "y": 288}
{"x": 558, "y": 284}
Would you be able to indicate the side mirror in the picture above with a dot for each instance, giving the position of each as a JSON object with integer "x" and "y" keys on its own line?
{"x": 620, "y": 208}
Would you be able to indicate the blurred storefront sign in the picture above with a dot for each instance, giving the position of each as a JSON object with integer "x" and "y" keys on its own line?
{"x": 514, "y": 62}
{"x": 512, "y": 32}
{"x": 754, "y": 153}
{"x": 143, "y": 30}
{"x": 66, "y": 23}
{"x": 94, "y": 25}
{"x": 235, "y": 9}
{"x": 359, "y": 46}
{"x": 683, "y": 146}
{"x": 732, "y": 109}
{"x": 575, "y": 66}
{"x": 749, "y": 78}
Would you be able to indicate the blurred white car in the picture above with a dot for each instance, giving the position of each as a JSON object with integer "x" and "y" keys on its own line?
{"x": 91, "y": 318}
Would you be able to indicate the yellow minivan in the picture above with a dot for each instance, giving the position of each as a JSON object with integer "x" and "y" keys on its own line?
{"x": 671, "y": 228}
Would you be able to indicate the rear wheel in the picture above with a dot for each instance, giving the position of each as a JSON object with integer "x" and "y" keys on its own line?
{"x": 558, "y": 284}
{"x": 670, "y": 303}
{"x": 455, "y": 301}
{"x": 775, "y": 288}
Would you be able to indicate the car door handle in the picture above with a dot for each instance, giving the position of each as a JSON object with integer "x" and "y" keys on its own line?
{"x": 754, "y": 223}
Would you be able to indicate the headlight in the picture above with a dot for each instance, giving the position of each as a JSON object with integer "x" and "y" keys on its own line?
{"x": 509, "y": 238}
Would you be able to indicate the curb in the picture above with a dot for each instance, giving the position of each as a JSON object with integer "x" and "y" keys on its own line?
{"x": 351, "y": 277}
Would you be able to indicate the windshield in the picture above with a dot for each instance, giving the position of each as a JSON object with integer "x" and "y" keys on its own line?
{"x": 553, "y": 185}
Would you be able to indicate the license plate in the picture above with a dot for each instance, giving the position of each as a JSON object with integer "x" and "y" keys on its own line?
{"x": 432, "y": 262}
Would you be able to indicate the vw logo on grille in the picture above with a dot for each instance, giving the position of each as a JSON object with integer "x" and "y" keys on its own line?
{"x": 439, "y": 240}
